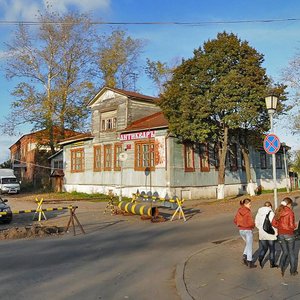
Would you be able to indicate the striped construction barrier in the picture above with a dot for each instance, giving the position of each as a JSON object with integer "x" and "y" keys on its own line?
{"x": 169, "y": 203}
{"x": 37, "y": 210}
{"x": 73, "y": 218}
{"x": 174, "y": 203}
{"x": 137, "y": 209}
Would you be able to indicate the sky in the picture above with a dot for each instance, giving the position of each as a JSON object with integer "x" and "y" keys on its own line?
{"x": 278, "y": 41}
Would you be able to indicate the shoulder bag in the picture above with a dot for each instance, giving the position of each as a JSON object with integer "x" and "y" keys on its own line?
{"x": 267, "y": 226}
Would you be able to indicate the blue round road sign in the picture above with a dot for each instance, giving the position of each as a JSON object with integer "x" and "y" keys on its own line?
{"x": 271, "y": 143}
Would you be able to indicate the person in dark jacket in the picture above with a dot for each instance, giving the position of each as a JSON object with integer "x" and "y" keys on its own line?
{"x": 244, "y": 221}
{"x": 284, "y": 221}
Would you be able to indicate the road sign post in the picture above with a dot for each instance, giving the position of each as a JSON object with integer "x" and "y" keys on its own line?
{"x": 271, "y": 146}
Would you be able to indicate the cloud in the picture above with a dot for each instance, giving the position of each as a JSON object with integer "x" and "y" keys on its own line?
{"x": 82, "y": 5}
{"x": 19, "y": 9}
{"x": 28, "y": 10}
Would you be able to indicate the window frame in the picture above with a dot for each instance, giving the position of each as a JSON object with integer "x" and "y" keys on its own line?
{"x": 216, "y": 156}
{"x": 278, "y": 160}
{"x": 58, "y": 164}
{"x": 190, "y": 147}
{"x": 73, "y": 160}
{"x": 233, "y": 157}
{"x": 108, "y": 122}
{"x": 204, "y": 156}
{"x": 139, "y": 157}
{"x": 243, "y": 163}
{"x": 105, "y": 159}
{"x": 117, "y": 162}
{"x": 263, "y": 160}
{"x": 96, "y": 161}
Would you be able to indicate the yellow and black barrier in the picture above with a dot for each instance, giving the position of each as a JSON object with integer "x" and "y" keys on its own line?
{"x": 137, "y": 209}
{"x": 177, "y": 201}
{"x": 37, "y": 210}
{"x": 71, "y": 208}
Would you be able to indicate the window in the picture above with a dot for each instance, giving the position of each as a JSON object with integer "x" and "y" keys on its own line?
{"x": 204, "y": 157}
{"x": 233, "y": 164}
{"x": 58, "y": 164}
{"x": 107, "y": 157}
{"x": 97, "y": 158}
{"x": 117, "y": 163}
{"x": 263, "y": 160}
{"x": 109, "y": 120}
{"x": 144, "y": 155}
{"x": 216, "y": 156}
{"x": 77, "y": 160}
{"x": 189, "y": 165}
{"x": 278, "y": 161}
{"x": 243, "y": 164}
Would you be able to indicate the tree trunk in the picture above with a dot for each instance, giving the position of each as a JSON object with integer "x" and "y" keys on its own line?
{"x": 221, "y": 173}
{"x": 250, "y": 184}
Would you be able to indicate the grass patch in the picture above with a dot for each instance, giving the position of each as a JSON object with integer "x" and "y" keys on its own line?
{"x": 64, "y": 196}
{"x": 282, "y": 190}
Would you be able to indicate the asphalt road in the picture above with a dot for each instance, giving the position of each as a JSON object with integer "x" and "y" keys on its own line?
{"x": 116, "y": 259}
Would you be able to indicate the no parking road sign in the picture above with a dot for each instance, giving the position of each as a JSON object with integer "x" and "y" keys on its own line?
{"x": 271, "y": 143}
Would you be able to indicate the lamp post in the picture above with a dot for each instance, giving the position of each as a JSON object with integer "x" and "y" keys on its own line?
{"x": 271, "y": 104}
{"x": 285, "y": 147}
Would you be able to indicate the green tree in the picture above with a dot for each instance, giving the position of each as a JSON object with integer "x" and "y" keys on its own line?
{"x": 295, "y": 164}
{"x": 6, "y": 164}
{"x": 54, "y": 62}
{"x": 118, "y": 56}
{"x": 214, "y": 93}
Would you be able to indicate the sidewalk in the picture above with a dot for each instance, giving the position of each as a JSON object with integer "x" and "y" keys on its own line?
{"x": 216, "y": 273}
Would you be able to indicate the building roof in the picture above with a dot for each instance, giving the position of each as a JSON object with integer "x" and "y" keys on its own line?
{"x": 153, "y": 121}
{"x": 129, "y": 94}
{"x": 77, "y": 138}
{"x": 40, "y": 134}
{"x": 55, "y": 154}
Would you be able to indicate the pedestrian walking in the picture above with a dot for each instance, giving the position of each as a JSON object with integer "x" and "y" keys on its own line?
{"x": 266, "y": 240}
{"x": 284, "y": 221}
{"x": 244, "y": 221}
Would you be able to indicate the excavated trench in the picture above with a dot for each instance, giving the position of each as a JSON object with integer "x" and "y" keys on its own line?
{"x": 33, "y": 231}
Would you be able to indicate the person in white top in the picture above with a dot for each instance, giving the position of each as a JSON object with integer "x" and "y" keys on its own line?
{"x": 266, "y": 240}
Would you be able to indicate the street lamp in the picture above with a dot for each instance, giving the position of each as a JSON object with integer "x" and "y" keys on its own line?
{"x": 284, "y": 148}
{"x": 271, "y": 104}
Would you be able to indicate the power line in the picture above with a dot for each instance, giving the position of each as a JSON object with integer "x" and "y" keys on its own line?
{"x": 198, "y": 23}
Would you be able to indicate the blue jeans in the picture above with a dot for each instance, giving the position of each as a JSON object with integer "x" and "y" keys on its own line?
{"x": 287, "y": 243}
{"x": 247, "y": 236}
{"x": 264, "y": 246}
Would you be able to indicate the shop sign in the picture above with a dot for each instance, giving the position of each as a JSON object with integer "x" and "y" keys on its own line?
{"x": 137, "y": 135}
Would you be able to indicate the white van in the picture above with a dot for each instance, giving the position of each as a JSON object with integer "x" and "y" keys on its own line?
{"x": 8, "y": 182}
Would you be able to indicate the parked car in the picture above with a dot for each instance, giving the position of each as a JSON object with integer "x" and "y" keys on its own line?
{"x": 4, "y": 207}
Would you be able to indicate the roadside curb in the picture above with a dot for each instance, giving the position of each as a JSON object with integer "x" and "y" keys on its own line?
{"x": 180, "y": 269}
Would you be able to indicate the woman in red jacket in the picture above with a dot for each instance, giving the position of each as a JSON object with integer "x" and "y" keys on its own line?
{"x": 284, "y": 221}
{"x": 243, "y": 219}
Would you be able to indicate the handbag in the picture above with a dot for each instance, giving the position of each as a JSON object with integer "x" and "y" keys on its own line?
{"x": 267, "y": 226}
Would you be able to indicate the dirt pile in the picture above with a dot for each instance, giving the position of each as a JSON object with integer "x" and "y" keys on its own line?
{"x": 30, "y": 232}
